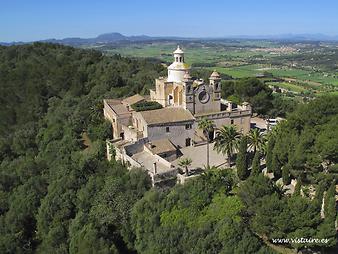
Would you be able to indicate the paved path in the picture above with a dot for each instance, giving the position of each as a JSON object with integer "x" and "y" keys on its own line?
{"x": 259, "y": 122}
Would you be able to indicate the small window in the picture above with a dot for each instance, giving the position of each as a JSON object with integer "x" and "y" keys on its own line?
{"x": 232, "y": 121}
{"x": 167, "y": 129}
{"x": 180, "y": 59}
{"x": 188, "y": 126}
{"x": 187, "y": 142}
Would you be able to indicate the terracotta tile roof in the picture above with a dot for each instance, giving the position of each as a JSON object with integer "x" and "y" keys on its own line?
{"x": 120, "y": 109}
{"x": 133, "y": 99}
{"x": 116, "y": 106}
{"x": 111, "y": 102}
{"x": 161, "y": 146}
{"x": 166, "y": 115}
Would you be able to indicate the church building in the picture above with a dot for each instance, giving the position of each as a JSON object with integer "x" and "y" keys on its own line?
{"x": 154, "y": 139}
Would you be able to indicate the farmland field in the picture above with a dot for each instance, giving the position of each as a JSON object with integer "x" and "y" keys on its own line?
{"x": 289, "y": 86}
{"x": 249, "y": 58}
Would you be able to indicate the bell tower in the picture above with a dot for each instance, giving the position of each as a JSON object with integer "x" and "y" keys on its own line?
{"x": 178, "y": 68}
{"x": 215, "y": 83}
{"x": 188, "y": 93}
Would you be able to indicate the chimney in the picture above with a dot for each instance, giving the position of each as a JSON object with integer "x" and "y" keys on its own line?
{"x": 229, "y": 106}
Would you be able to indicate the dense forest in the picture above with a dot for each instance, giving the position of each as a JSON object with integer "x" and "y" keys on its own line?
{"x": 56, "y": 190}
{"x": 58, "y": 194}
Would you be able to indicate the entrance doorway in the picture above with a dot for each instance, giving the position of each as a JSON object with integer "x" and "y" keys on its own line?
{"x": 170, "y": 99}
{"x": 187, "y": 141}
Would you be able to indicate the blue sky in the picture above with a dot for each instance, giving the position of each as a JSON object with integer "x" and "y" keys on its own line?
{"x": 26, "y": 20}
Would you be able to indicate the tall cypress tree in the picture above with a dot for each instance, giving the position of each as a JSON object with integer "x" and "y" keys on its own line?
{"x": 330, "y": 203}
{"x": 256, "y": 164}
{"x": 327, "y": 228}
{"x": 286, "y": 174}
{"x": 269, "y": 153}
{"x": 298, "y": 187}
{"x": 320, "y": 193}
{"x": 242, "y": 159}
{"x": 276, "y": 167}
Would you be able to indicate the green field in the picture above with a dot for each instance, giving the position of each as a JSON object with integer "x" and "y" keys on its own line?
{"x": 305, "y": 76}
{"x": 301, "y": 75}
{"x": 240, "y": 71}
{"x": 288, "y": 86}
{"x": 194, "y": 54}
{"x": 237, "y": 59}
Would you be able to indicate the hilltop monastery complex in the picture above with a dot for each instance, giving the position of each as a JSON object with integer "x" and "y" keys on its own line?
{"x": 157, "y": 139}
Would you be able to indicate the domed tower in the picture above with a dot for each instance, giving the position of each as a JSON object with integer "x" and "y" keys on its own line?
{"x": 178, "y": 68}
{"x": 215, "y": 82}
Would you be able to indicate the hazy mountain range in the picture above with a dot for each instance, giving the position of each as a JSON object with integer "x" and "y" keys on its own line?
{"x": 120, "y": 38}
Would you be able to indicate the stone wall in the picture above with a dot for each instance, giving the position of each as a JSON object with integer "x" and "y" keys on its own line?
{"x": 177, "y": 133}
{"x": 131, "y": 133}
{"x": 241, "y": 119}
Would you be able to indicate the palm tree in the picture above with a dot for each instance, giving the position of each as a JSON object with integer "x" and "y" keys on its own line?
{"x": 226, "y": 141}
{"x": 210, "y": 168}
{"x": 186, "y": 162}
{"x": 206, "y": 126}
{"x": 256, "y": 140}
{"x": 264, "y": 148}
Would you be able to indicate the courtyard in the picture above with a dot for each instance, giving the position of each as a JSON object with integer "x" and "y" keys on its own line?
{"x": 198, "y": 155}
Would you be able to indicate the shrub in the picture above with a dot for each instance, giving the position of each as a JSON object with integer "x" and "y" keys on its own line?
{"x": 146, "y": 105}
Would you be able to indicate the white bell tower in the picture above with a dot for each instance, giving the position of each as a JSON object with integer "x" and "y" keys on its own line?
{"x": 178, "y": 68}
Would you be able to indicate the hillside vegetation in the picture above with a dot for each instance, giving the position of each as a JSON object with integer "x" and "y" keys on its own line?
{"x": 56, "y": 196}
{"x": 58, "y": 193}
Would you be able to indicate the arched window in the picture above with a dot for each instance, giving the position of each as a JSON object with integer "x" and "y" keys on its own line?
{"x": 180, "y": 59}
{"x": 176, "y": 59}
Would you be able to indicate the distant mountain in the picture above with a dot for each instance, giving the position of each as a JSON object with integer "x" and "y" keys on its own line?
{"x": 108, "y": 38}
{"x": 101, "y": 39}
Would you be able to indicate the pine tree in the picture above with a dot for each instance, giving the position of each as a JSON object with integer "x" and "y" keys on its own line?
{"x": 286, "y": 174}
{"x": 256, "y": 165}
{"x": 242, "y": 160}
